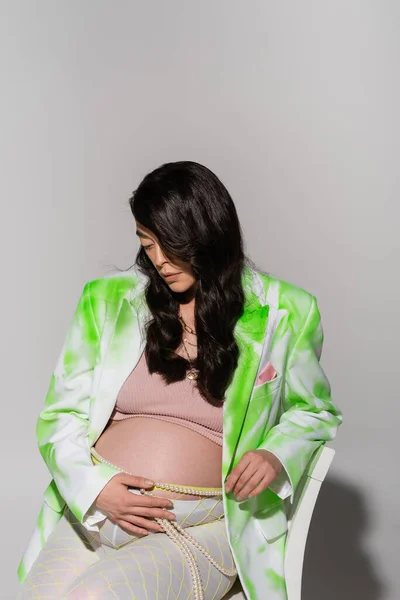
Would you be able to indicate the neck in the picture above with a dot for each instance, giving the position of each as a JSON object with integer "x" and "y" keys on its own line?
{"x": 187, "y": 297}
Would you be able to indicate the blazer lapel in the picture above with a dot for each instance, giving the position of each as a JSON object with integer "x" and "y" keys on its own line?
{"x": 250, "y": 336}
{"x": 123, "y": 345}
{"x": 123, "y": 342}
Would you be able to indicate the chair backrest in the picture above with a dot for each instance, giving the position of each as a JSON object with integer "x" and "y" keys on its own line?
{"x": 299, "y": 519}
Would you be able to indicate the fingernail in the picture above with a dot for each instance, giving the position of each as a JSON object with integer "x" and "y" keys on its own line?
{"x": 149, "y": 482}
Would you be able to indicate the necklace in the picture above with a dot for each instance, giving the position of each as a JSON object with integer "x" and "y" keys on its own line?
{"x": 192, "y": 373}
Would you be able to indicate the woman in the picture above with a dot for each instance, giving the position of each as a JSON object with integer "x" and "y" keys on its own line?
{"x": 187, "y": 400}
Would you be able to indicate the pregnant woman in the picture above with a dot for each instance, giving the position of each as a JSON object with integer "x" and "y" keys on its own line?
{"x": 186, "y": 402}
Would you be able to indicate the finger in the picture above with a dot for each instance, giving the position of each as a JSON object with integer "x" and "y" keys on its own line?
{"x": 135, "y": 481}
{"x": 236, "y": 473}
{"x": 146, "y": 523}
{"x": 264, "y": 483}
{"x": 130, "y": 528}
{"x": 150, "y": 501}
{"x": 249, "y": 472}
{"x": 251, "y": 483}
{"x": 151, "y": 513}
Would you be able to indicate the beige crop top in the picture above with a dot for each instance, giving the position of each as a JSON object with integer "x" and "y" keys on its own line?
{"x": 147, "y": 395}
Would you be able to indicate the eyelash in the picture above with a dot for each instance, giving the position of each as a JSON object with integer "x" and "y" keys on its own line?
{"x": 147, "y": 247}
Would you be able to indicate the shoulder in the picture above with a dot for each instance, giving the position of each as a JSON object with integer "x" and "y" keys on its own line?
{"x": 276, "y": 292}
{"x": 115, "y": 285}
{"x": 285, "y": 296}
{"x": 296, "y": 309}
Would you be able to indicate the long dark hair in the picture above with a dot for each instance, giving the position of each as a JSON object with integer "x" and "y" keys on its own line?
{"x": 194, "y": 218}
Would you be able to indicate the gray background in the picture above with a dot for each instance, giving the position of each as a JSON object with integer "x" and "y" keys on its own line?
{"x": 295, "y": 105}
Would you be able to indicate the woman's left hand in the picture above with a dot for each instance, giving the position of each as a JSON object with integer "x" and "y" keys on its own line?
{"x": 253, "y": 474}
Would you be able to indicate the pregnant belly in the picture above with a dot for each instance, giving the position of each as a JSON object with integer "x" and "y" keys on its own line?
{"x": 162, "y": 451}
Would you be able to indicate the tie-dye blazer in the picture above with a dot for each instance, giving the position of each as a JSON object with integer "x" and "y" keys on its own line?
{"x": 290, "y": 415}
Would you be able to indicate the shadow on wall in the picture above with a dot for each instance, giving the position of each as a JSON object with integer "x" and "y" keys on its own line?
{"x": 335, "y": 563}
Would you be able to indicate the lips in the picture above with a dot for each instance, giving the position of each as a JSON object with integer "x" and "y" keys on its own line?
{"x": 169, "y": 274}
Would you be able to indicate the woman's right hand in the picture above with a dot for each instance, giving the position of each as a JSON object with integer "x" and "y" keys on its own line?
{"x": 132, "y": 512}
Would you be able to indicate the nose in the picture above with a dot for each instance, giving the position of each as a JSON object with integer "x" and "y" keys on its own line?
{"x": 159, "y": 257}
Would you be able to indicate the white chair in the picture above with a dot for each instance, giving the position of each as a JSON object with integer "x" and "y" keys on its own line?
{"x": 299, "y": 521}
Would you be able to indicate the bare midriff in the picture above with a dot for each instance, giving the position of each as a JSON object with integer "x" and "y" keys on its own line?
{"x": 163, "y": 452}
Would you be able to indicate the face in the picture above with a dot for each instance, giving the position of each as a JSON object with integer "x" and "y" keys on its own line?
{"x": 182, "y": 278}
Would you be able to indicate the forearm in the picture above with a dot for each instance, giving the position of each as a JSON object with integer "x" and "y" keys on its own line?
{"x": 62, "y": 428}
{"x": 308, "y": 417}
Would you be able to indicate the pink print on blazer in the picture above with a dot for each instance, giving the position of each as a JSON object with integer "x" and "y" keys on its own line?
{"x": 266, "y": 374}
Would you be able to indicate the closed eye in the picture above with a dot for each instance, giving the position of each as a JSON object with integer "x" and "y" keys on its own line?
{"x": 148, "y": 247}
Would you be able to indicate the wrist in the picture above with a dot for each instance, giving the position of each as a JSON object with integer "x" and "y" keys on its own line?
{"x": 272, "y": 459}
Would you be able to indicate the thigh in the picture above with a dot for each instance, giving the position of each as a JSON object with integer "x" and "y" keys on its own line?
{"x": 154, "y": 567}
{"x": 65, "y": 555}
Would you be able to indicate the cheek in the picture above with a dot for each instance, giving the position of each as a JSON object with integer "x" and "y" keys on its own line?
{"x": 190, "y": 279}
{"x": 187, "y": 278}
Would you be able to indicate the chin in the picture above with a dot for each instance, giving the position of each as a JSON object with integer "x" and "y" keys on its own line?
{"x": 182, "y": 284}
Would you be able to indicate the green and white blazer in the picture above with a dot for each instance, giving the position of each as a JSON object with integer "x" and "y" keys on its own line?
{"x": 290, "y": 415}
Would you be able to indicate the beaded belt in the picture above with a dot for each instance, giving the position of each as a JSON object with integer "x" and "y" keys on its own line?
{"x": 177, "y": 533}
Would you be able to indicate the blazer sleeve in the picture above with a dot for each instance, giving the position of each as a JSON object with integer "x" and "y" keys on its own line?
{"x": 62, "y": 427}
{"x": 308, "y": 416}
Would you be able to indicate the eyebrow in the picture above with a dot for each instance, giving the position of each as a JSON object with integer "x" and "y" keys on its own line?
{"x": 141, "y": 234}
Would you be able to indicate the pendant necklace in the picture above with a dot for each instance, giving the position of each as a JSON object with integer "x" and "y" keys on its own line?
{"x": 192, "y": 373}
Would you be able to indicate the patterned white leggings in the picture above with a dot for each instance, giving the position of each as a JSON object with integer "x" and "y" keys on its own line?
{"x": 76, "y": 564}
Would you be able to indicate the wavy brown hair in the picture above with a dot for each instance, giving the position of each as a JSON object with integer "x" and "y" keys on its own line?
{"x": 194, "y": 218}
